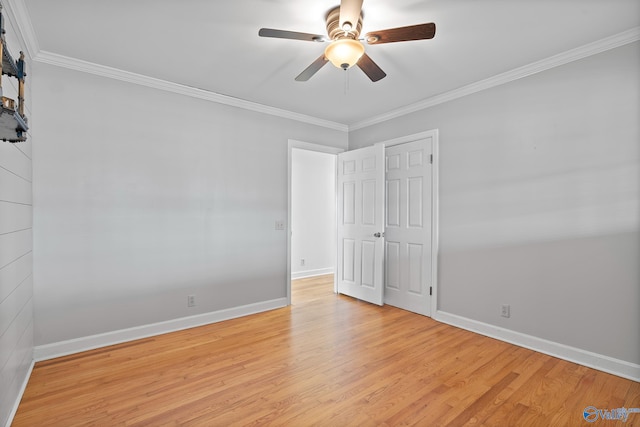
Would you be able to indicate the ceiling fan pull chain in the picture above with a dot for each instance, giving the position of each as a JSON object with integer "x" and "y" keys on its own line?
{"x": 346, "y": 81}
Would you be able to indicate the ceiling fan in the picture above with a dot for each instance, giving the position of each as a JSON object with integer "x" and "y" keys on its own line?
{"x": 345, "y": 50}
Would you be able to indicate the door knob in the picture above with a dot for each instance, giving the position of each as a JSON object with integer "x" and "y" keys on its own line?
{"x": 377, "y": 234}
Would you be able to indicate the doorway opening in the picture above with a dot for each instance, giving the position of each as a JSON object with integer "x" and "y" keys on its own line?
{"x": 311, "y": 245}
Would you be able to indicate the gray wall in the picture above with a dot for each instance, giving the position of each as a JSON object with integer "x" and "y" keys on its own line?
{"x": 143, "y": 197}
{"x": 539, "y": 202}
{"x": 16, "y": 248}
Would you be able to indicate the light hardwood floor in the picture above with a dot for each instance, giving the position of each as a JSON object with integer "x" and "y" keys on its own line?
{"x": 327, "y": 360}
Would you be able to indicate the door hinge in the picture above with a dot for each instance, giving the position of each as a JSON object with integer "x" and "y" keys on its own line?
{"x": 430, "y": 290}
{"x": 431, "y": 158}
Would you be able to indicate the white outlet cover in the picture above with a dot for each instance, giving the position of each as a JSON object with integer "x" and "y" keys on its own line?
{"x": 505, "y": 310}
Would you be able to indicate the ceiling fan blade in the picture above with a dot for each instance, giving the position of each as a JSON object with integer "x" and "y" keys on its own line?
{"x": 312, "y": 69}
{"x": 370, "y": 68}
{"x": 350, "y": 12}
{"x": 293, "y": 35}
{"x": 402, "y": 34}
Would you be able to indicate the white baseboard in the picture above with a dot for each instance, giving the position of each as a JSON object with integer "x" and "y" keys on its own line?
{"x": 64, "y": 348}
{"x": 16, "y": 404}
{"x": 597, "y": 361}
{"x": 311, "y": 273}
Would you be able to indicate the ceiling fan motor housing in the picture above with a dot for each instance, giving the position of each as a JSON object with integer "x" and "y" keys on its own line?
{"x": 333, "y": 26}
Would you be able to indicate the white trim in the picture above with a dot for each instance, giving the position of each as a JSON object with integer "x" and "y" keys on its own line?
{"x": 600, "y": 362}
{"x": 20, "y": 19}
{"x": 408, "y": 138}
{"x": 142, "y": 80}
{"x": 16, "y": 404}
{"x": 310, "y": 147}
{"x": 312, "y": 273}
{"x": 63, "y": 348}
{"x": 563, "y": 58}
{"x": 293, "y": 143}
{"x": 435, "y": 195}
{"x": 435, "y": 218}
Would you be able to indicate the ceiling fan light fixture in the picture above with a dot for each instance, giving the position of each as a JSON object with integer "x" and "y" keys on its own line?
{"x": 344, "y": 53}
{"x": 346, "y": 49}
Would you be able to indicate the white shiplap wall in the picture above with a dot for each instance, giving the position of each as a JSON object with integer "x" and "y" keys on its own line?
{"x": 16, "y": 245}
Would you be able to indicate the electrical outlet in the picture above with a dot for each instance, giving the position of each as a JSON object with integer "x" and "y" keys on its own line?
{"x": 191, "y": 300}
{"x": 505, "y": 310}
{"x": 302, "y": 262}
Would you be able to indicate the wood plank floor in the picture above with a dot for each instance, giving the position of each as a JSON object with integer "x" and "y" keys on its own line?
{"x": 327, "y": 360}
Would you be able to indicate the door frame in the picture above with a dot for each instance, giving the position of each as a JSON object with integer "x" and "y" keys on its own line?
{"x": 292, "y": 143}
{"x": 433, "y": 134}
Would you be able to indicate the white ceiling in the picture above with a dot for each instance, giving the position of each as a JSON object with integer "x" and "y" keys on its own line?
{"x": 214, "y": 45}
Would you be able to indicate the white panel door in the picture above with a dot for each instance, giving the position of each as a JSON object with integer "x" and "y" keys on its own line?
{"x": 408, "y": 226}
{"x": 361, "y": 223}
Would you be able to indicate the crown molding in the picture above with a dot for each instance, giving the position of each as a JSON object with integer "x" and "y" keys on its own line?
{"x": 18, "y": 15}
{"x": 167, "y": 86}
{"x": 563, "y": 58}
